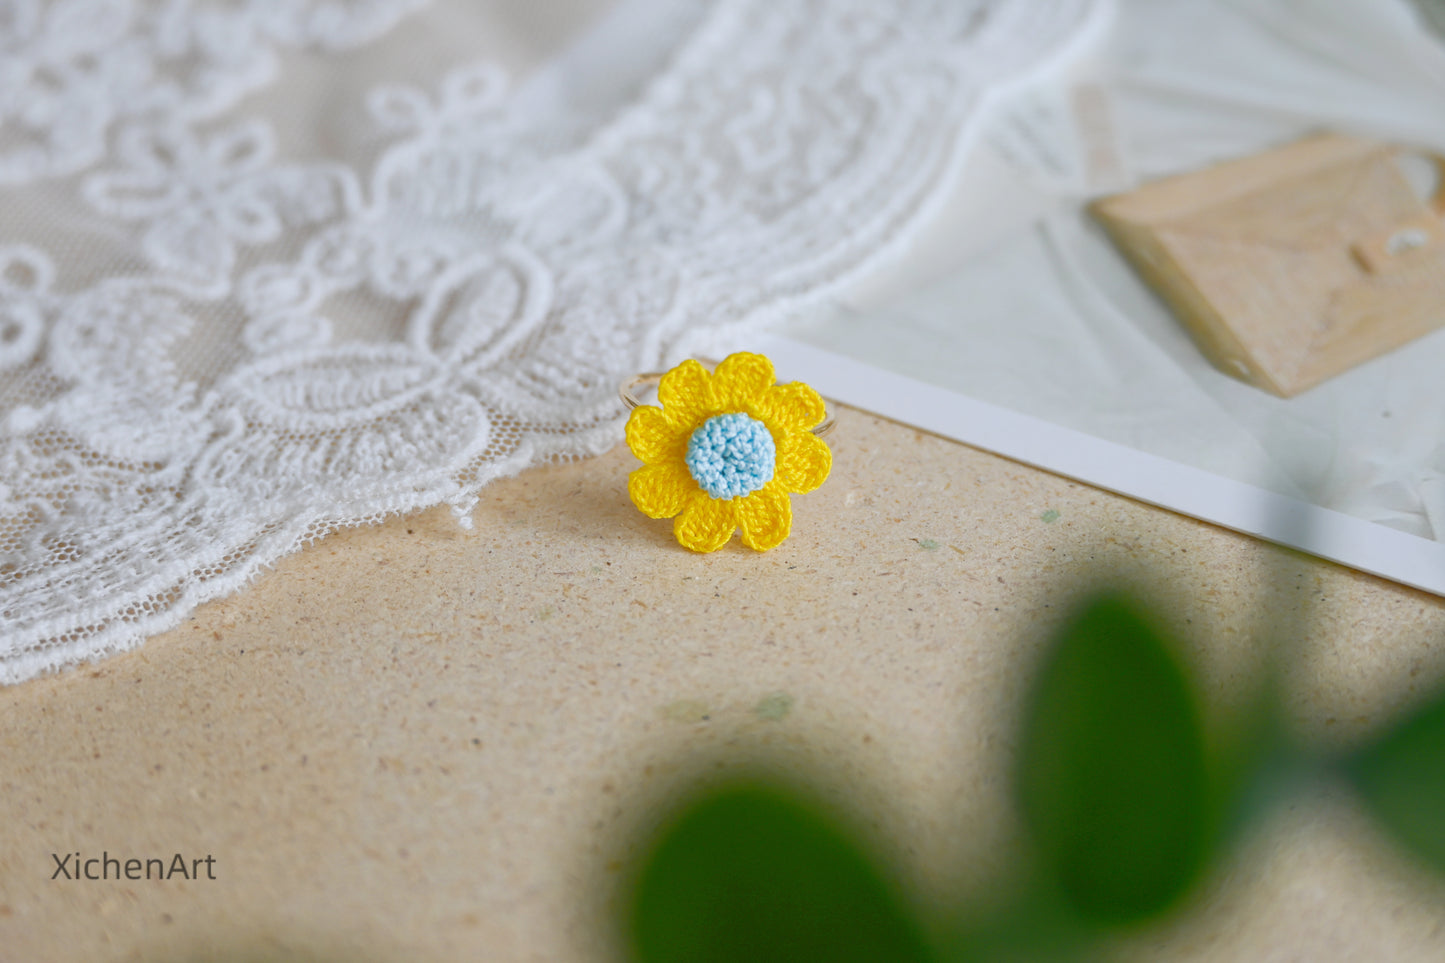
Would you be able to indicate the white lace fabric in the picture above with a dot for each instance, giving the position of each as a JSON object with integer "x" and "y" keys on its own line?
{"x": 219, "y": 343}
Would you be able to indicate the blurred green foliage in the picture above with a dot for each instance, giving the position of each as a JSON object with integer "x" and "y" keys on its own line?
{"x": 1127, "y": 796}
{"x": 1112, "y": 779}
{"x": 750, "y": 872}
{"x": 1402, "y": 779}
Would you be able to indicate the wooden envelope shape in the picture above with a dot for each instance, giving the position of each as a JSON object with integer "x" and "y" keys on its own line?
{"x": 1292, "y": 266}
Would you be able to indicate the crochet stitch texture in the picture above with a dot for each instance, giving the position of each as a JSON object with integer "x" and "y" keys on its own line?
{"x": 724, "y": 452}
{"x": 731, "y": 455}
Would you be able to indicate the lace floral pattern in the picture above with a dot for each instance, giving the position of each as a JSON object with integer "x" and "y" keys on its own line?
{"x": 71, "y": 70}
{"x": 307, "y": 346}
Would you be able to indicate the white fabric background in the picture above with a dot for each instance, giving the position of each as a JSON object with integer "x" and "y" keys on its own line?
{"x": 271, "y": 267}
{"x": 1014, "y": 297}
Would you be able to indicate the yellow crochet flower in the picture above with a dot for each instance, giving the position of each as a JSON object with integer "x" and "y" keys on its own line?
{"x": 724, "y": 452}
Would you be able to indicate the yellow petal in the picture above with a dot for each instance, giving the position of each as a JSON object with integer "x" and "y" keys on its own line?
{"x": 792, "y": 407}
{"x": 653, "y": 438}
{"x": 706, "y": 523}
{"x": 661, "y": 491}
{"x": 686, "y": 394}
{"x": 742, "y": 380}
{"x": 804, "y": 461}
{"x": 766, "y": 517}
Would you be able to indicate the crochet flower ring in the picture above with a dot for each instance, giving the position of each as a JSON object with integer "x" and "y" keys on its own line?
{"x": 725, "y": 451}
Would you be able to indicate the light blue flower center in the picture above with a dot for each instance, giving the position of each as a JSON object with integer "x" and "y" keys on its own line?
{"x": 731, "y": 455}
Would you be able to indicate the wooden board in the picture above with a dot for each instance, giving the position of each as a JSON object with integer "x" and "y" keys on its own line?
{"x": 1292, "y": 266}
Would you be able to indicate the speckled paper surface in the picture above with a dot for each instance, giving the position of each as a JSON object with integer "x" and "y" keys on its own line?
{"x": 413, "y": 742}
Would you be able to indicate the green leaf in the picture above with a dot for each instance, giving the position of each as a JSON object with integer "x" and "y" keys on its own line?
{"x": 749, "y": 873}
{"x": 1112, "y": 776}
{"x": 1402, "y": 777}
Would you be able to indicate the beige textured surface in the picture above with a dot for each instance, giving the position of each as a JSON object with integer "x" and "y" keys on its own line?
{"x": 412, "y": 742}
